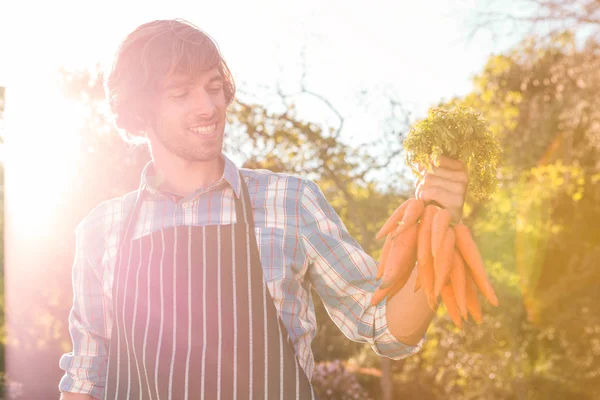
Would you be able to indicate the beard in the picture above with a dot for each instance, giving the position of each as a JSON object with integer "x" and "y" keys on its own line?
{"x": 183, "y": 145}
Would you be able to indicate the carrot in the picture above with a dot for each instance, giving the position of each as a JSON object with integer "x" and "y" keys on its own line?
{"x": 472, "y": 300}
{"x": 468, "y": 249}
{"x": 424, "y": 256}
{"x": 412, "y": 213}
{"x": 443, "y": 261}
{"x": 379, "y": 295}
{"x": 439, "y": 226}
{"x": 418, "y": 280}
{"x": 451, "y": 306}
{"x": 390, "y": 291}
{"x": 431, "y": 299}
{"x": 458, "y": 282}
{"x": 392, "y": 221}
{"x": 399, "y": 284}
{"x": 384, "y": 253}
{"x": 402, "y": 255}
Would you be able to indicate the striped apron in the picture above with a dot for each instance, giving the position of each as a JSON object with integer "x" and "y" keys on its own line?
{"x": 194, "y": 319}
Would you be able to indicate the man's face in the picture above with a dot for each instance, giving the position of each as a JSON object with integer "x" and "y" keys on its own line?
{"x": 189, "y": 117}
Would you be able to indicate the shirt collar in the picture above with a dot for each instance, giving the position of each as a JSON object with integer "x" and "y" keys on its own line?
{"x": 231, "y": 175}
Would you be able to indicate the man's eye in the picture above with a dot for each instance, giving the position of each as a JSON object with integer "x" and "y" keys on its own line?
{"x": 179, "y": 95}
{"x": 215, "y": 89}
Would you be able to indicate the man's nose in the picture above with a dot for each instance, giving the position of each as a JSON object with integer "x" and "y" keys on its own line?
{"x": 204, "y": 105}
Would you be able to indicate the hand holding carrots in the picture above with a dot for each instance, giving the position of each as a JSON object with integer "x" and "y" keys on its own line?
{"x": 428, "y": 228}
{"x": 448, "y": 260}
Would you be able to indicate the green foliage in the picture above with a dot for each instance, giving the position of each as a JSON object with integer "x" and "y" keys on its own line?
{"x": 538, "y": 233}
{"x": 541, "y": 100}
{"x": 460, "y": 133}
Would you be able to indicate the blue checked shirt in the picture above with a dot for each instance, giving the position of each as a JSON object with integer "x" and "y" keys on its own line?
{"x": 301, "y": 240}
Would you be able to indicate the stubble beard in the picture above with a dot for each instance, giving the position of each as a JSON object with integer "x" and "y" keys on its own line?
{"x": 186, "y": 152}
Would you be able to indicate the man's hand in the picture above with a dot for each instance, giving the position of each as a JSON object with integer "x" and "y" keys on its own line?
{"x": 446, "y": 185}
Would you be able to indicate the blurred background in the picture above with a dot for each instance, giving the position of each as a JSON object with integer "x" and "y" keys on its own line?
{"x": 329, "y": 89}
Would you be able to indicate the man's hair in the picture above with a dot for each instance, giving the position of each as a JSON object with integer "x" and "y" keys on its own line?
{"x": 152, "y": 52}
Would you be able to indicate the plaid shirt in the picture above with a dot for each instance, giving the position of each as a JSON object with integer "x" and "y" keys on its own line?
{"x": 302, "y": 243}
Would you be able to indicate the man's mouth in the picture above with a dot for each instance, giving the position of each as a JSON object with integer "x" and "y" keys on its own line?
{"x": 204, "y": 130}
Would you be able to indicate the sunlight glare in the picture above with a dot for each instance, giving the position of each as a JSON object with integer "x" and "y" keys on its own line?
{"x": 43, "y": 137}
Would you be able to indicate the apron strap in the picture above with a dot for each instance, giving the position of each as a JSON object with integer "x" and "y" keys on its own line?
{"x": 241, "y": 209}
{"x": 127, "y": 232}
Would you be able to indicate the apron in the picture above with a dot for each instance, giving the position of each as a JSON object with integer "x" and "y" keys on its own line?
{"x": 193, "y": 317}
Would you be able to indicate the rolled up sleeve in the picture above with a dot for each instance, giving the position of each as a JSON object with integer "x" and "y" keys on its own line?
{"x": 344, "y": 277}
{"x": 89, "y": 322}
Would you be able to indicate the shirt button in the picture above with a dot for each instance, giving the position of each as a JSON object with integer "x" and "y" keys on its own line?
{"x": 185, "y": 205}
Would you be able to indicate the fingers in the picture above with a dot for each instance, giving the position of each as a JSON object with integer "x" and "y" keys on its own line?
{"x": 442, "y": 180}
{"x": 445, "y": 198}
{"x": 459, "y": 176}
{"x": 422, "y": 169}
{"x": 452, "y": 202}
{"x": 449, "y": 168}
{"x": 450, "y": 163}
{"x": 445, "y": 184}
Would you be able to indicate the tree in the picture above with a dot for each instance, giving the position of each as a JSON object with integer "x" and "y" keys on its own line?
{"x": 538, "y": 18}
{"x": 537, "y": 233}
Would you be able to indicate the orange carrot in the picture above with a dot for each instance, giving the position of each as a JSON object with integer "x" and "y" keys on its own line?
{"x": 399, "y": 284}
{"x": 472, "y": 299}
{"x": 418, "y": 280}
{"x": 443, "y": 261}
{"x": 424, "y": 256}
{"x": 468, "y": 249}
{"x": 451, "y": 306}
{"x": 384, "y": 253}
{"x": 439, "y": 226}
{"x": 379, "y": 295}
{"x": 431, "y": 299}
{"x": 458, "y": 282}
{"x": 392, "y": 221}
{"x": 412, "y": 213}
{"x": 390, "y": 291}
{"x": 402, "y": 255}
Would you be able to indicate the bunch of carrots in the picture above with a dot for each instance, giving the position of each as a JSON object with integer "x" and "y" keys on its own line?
{"x": 447, "y": 259}
{"x": 423, "y": 236}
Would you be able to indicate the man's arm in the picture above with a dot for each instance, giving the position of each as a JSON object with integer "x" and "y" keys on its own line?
{"x": 90, "y": 315}
{"x": 343, "y": 275}
{"x": 408, "y": 314}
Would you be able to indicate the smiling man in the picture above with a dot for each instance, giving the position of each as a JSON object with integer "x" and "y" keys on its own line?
{"x": 198, "y": 284}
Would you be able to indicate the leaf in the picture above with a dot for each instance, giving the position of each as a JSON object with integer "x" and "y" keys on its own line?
{"x": 460, "y": 133}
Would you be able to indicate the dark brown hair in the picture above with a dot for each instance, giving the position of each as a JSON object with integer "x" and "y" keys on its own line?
{"x": 149, "y": 54}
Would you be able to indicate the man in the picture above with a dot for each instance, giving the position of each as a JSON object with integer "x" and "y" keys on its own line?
{"x": 197, "y": 285}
